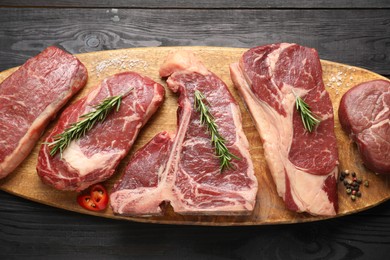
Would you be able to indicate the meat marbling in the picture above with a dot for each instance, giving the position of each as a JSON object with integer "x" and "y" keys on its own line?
{"x": 364, "y": 114}
{"x": 31, "y": 97}
{"x": 303, "y": 165}
{"x": 184, "y": 170}
{"x": 94, "y": 157}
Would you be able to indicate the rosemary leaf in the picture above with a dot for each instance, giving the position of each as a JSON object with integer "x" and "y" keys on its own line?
{"x": 217, "y": 140}
{"x": 87, "y": 122}
{"x": 308, "y": 119}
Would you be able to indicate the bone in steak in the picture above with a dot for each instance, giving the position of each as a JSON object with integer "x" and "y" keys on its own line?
{"x": 94, "y": 157}
{"x": 303, "y": 164}
{"x": 183, "y": 169}
{"x": 364, "y": 114}
{"x": 31, "y": 97}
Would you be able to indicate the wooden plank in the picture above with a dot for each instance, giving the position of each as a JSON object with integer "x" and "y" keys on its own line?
{"x": 202, "y": 4}
{"x": 32, "y": 230}
{"x": 269, "y": 207}
{"x": 355, "y": 37}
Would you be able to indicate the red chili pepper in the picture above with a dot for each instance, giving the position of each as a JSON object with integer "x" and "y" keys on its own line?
{"x": 95, "y": 200}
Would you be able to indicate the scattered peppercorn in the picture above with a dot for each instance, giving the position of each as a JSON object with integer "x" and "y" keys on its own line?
{"x": 352, "y": 184}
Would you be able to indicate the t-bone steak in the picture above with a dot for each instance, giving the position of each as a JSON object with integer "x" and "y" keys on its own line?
{"x": 364, "y": 114}
{"x": 31, "y": 97}
{"x": 94, "y": 157}
{"x": 303, "y": 165}
{"x": 183, "y": 169}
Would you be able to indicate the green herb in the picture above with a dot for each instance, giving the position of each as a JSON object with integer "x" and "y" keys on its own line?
{"x": 217, "y": 140}
{"x": 308, "y": 119}
{"x": 80, "y": 128}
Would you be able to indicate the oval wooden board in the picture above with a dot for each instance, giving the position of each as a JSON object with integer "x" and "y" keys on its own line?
{"x": 269, "y": 208}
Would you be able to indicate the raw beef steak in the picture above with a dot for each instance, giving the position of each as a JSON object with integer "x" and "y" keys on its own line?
{"x": 303, "y": 164}
{"x": 31, "y": 97}
{"x": 184, "y": 170}
{"x": 364, "y": 114}
{"x": 94, "y": 157}
{"x": 140, "y": 191}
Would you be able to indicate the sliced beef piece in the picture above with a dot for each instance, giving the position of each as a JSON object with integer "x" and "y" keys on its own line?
{"x": 31, "y": 97}
{"x": 94, "y": 157}
{"x": 186, "y": 173}
{"x": 364, "y": 114}
{"x": 140, "y": 191}
{"x": 303, "y": 164}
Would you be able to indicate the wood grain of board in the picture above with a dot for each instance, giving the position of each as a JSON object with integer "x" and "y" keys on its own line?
{"x": 201, "y": 4}
{"x": 337, "y": 34}
{"x": 269, "y": 208}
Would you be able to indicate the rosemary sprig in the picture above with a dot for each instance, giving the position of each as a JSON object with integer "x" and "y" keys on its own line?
{"x": 80, "y": 128}
{"x": 308, "y": 119}
{"x": 217, "y": 140}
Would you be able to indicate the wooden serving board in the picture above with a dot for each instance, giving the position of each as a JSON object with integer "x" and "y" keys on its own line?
{"x": 338, "y": 78}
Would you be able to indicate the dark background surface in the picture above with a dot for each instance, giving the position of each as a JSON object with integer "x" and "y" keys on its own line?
{"x": 352, "y": 32}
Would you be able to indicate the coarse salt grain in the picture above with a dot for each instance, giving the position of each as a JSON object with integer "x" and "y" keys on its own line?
{"x": 120, "y": 62}
{"x": 335, "y": 81}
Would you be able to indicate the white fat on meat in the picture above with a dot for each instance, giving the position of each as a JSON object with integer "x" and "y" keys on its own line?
{"x": 177, "y": 181}
{"x": 276, "y": 132}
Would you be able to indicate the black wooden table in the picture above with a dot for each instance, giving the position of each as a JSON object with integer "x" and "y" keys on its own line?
{"x": 353, "y": 32}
